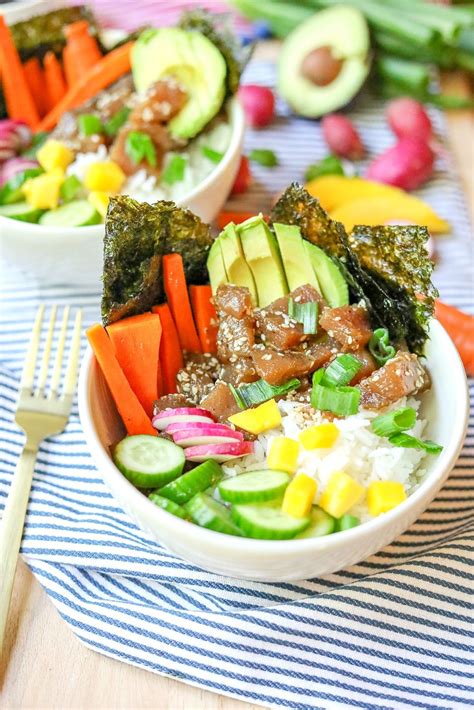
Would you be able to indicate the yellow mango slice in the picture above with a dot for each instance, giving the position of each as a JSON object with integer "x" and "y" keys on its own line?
{"x": 335, "y": 190}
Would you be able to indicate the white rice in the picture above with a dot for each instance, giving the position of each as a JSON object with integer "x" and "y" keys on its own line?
{"x": 359, "y": 452}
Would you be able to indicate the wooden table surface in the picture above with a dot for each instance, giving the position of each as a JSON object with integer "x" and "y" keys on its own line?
{"x": 45, "y": 666}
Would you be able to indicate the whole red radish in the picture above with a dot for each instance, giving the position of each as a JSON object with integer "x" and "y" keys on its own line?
{"x": 407, "y": 164}
{"x": 408, "y": 118}
{"x": 258, "y": 103}
{"x": 243, "y": 179}
{"x": 342, "y": 137}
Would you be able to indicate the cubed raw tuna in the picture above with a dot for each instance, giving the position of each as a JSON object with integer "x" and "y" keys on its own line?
{"x": 349, "y": 325}
{"x": 402, "y": 376}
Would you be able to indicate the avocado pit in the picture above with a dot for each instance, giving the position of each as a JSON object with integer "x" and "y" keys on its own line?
{"x": 320, "y": 66}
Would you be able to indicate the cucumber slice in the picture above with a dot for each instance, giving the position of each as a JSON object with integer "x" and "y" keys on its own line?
{"x": 192, "y": 482}
{"x": 22, "y": 211}
{"x": 254, "y": 486}
{"x": 77, "y": 213}
{"x": 321, "y": 524}
{"x": 267, "y": 523}
{"x": 168, "y": 505}
{"x": 346, "y": 522}
{"x": 208, "y": 513}
{"x": 148, "y": 461}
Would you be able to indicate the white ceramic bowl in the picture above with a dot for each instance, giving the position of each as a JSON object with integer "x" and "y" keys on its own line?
{"x": 445, "y": 406}
{"x": 73, "y": 256}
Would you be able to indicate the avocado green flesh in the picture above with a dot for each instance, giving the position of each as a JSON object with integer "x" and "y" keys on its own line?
{"x": 333, "y": 284}
{"x": 297, "y": 266}
{"x": 237, "y": 269}
{"x": 261, "y": 252}
{"x": 194, "y": 62}
{"x": 215, "y": 266}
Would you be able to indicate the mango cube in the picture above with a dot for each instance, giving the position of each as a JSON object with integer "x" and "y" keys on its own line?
{"x": 54, "y": 154}
{"x": 283, "y": 454}
{"x": 42, "y": 192}
{"x": 99, "y": 200}
{"x": 299, "y": 496}
{"x": 322, "y": 436}
{"x": 262, "y": 418}
{"x": 384, "y": 495}
{"x": 105, "y": 176}
{"x": 340, "y": 494}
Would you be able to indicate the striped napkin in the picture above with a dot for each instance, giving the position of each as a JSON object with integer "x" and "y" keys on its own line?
{"x": 391, "y": 632}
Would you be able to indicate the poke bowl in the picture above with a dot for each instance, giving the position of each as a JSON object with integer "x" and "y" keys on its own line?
{"x": 279, "y": 422}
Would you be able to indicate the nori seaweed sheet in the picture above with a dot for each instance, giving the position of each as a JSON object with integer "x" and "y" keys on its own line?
{"x": 137, "y": 235}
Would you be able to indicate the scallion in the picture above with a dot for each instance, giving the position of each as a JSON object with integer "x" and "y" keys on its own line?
{"x": 343, "y": 401}
{"x": 114, "y": 124}
{"x": 89, "y": 124}
{"x": 263, "y": 156}
{"x": 407, "y": 441}
{"x": 139, "y": 146}
{"x": 379, "y": 346}
{"x": 174, "y": 171}
{"x": 70, "y": 188}
{"x": 394, "y": 422}
{"x": 305, "y": 313}
{"x": 341, "y": 370}
{"x": 213, "y": 155}
{"x": 331, "y": 165}
{"x": 261, "y": 391}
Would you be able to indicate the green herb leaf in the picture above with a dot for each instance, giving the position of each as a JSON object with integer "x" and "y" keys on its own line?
{"x": 305, "y": 313}
{"x": 260, "y": 391}
{"x": 213, "y": 155}
{"x": 89, "y": 124}
{"x": 11, "y": 192}
{"x": 411, "y": 442}
{"x": 264, "y": 156}
{"x": 70, "y": 188}
{"x": 379, "y": 346}
{"x": 174, "y": 171}
{"x": 139, "y": 146}
{"x": 341, "y": 370}
{"x": 37, "y": 141}
{"x": 331, "y": 165}
{"x": 114, "y": 124}
{"x": 343, "y": 401}
{"x": 394, "y": 422}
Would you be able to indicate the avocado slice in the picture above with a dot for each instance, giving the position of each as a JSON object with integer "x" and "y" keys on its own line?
{"x": 324, "y": 61}
{"x": 192, "y": 60}
{"x": 261, "y": 253}
{"x": 215, "y": 267}
{"x": 333, "y": 284}
{"x": 297, "y": 267}
{"x": 237, "y": 269}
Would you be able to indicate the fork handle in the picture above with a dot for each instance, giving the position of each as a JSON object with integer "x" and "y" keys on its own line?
{"x": 11, "y": 529}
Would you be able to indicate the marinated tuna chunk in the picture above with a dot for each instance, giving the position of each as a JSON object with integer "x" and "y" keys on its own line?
{"x": 242, "y": 370}
{"x": 349, "y": 325}
{"x": 277, "y": 367}
{"x": 196, "y": 379}
{"x": 274, "y": 325}
{"x": 368, "y": 366}
{"x": 402, "y": 376}
{"x": 171, "y": 401}
{"x": 233, "y": 301}
{"x": 220, "y": 402}
{"x": 162, "y": 101}
{"x": 235, "y": 337}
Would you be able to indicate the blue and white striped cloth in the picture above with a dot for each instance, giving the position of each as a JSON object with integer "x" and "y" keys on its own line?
{"x": 391, "y": 632}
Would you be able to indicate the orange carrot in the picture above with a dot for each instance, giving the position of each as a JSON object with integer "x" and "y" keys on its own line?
{"x": 205, "y": 317}
{"x": 171, "y": 356}
{"x": 137, "y": 348}
{"x": 81, "y": 51}
{"x": 131, "y": 411}
{"x": 110, "y": 68}
{"x": 54, "y": 80}
{"x": 35, "y": 80}
{"x": 460, "y": 328}
{"x": 20, "y": 103}
{"x": 224, "y": 218}
{"x": 176, "y": 291}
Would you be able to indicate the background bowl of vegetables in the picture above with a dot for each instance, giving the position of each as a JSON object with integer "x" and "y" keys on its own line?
{"x": 444, "y": 406}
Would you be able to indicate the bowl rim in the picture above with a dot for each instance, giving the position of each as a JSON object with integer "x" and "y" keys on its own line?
{"x": 237, "y": 123}
{"x": 429, "y": 486}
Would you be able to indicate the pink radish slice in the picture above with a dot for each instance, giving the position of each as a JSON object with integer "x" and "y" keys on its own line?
{"x": 163, "y": 419}
{"x": 200, "y": 426}
{"x": 219, "y": 452}
{"x": 202, "y": 434}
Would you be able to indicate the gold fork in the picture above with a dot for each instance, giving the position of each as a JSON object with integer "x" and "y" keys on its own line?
{"x": 40, "y": 414}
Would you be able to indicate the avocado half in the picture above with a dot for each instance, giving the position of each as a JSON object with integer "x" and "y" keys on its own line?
{"x": 324, "y": 61}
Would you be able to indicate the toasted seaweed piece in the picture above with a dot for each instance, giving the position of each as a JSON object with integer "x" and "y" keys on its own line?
{"x": 216, "y": 29}
{"x": 136, "y": 237}
{"x": 388, "y": 267}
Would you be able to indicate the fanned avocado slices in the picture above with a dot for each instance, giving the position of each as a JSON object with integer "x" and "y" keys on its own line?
{"x": 136, "y": 237}
{"x": 388, "y": 267}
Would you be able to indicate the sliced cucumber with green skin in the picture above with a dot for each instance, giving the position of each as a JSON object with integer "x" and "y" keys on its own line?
{"x": 321, "y": 524}
{"x": 22, "y": 211}
{"x": 208, "y": 513}
{"x": 148, "y": 461}
{"x": 77, "y": 213}
{"x": 254, "y": 486}
{"x": 184, "y": 488}
{"x": 169, "y": 506}
{"x": 346, "y": 522}
{"x": 267, "y": 523}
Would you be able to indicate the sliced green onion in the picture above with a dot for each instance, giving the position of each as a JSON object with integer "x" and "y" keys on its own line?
{"x": 379, "y": 346}
{"x": 343, "y": 401}
{"x": 264, "y": 157}
{"x": 331, "y": 165}
{"x": 411, "y": 442}
{"x": 341, "y": 370}
{"x": 114, "y": 124}
{"x": 213, "y": 155}
{"x": 70, "y": 188}
{"x": 261, "y": 391}
{"x": 174, "y": 171}
{"x": 305, "y": 313}
{"x": 89, "y": 124}
{"x": 139, "y": 146}
{"x": 394, "y": 422}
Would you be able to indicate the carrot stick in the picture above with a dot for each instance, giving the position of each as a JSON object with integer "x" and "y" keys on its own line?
{"x": 81, "y": 51}
{"x": 223, "y": 218}
{"x": 460, "y": 328}
{"x": 131, "y": 411}
{"x": 54, "y": 80}
{"x": 176, "y": 291}
{"x": 137, "y": 348}
{"x": 20, "y": 103}
{"x": 205, "y": 317}
{"x": 35, "y": 80}
{"x": 110, "y": 68}
{"x": 171, "y": 356}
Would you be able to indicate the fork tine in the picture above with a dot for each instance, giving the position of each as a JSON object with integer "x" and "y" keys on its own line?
{"x": 28, "y": 374}
{"x": 59, "y": 355}
{"x": 70, "y": 378}
{"x": 47, "y": 351}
